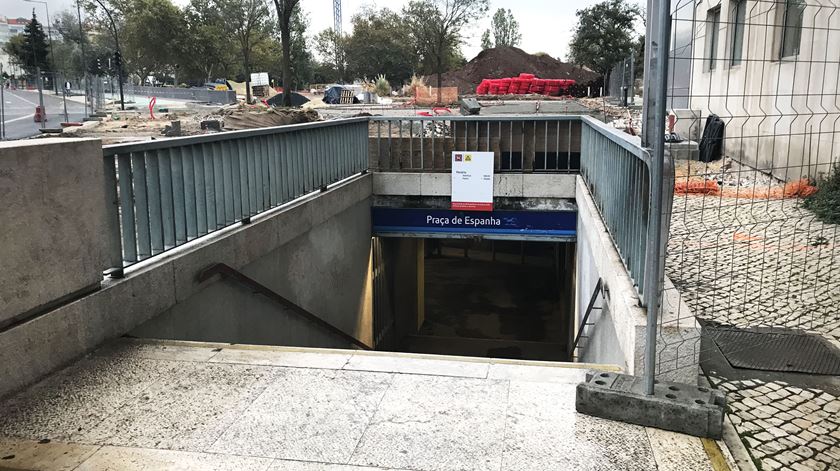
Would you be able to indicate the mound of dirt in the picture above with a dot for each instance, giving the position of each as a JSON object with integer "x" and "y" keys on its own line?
{"x": 504, "y": 62}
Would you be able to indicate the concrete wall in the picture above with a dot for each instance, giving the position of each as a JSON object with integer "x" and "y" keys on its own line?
{"x": 512, "y": 185}
{"x": 779, "y": 113}
{"x": 325, "y": 270}
{"x": 221, "y": 97}
{"x": 54, "y": 240}
{"x": 618, "y": 336}
{"x": 42, "y": 344}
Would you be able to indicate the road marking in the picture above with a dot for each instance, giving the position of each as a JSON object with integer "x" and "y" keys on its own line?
{"x": 23, "y": 99}
{"x": 18, "y": 119}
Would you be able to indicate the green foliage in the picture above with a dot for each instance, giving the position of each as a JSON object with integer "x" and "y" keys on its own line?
{"x": 331, "y": 48}
{"x": 435, "y": 27}
{"x": 301, "y": 57}
{"x": 604, "y": 34}
{"x": 206, "y": 50}
{"x": 381, "y": 44}
{"x": 152, "y": 37}
{"x": 246, "y": 23}
{"x": 381, "y": 86}
{"x": 505, "y": 29}
{"x": 825, "y": 203}
{"x": 30, "y": 50}
{"x": 486, "y": 42}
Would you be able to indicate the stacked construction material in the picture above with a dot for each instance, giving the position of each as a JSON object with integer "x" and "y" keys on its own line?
{"x": 524, "y": 84}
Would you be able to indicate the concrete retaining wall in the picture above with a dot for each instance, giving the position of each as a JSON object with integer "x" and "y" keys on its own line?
{"x": 44, "y": 343}
{"x": 325, "y": 270}
{"x": 222, "y": 97}
{"x": 511, "y": 185}
{"x": 53, "y": 242}
{"x": 618, "y": 336}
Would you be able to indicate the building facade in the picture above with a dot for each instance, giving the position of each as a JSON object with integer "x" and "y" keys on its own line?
{"x": 770, "y": 69}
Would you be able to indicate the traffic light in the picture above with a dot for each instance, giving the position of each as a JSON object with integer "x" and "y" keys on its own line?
{"x": 117, "y": 59}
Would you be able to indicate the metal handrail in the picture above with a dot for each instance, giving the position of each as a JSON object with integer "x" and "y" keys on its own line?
{"x": 589, "y": 310}
{"x": 236, "y": 275}
{"x": 482, "y": 118}
{"x": 114, "y": 149}
{"x": 521, "y": 143}
{"x": 165, "y": 193}
{"x": 617, "y": 172}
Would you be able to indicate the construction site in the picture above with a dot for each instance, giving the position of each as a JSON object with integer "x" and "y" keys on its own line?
{"x": 515, "y": 263}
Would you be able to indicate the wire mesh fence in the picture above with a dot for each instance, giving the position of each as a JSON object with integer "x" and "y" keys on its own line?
{"x": 753, "y": 258}
{"x": 621, "y": 81}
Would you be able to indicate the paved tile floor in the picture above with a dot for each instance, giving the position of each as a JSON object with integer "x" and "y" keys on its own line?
{"x": 152, "y": 405}
{"x": 765, "y": 263}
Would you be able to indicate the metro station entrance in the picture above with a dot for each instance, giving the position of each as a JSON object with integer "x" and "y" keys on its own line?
{"x": 483, "y": 294}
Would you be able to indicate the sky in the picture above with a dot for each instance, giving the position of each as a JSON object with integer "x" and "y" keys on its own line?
{"x": 546, "y": 25}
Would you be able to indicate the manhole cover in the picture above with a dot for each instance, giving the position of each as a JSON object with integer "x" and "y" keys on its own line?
{"x": 776, "y": 350}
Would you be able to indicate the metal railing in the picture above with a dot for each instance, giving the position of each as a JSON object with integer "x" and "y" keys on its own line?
{"x": 617, "y": 173}
{"x": 169, "y": 192}
{"x": 520, "y": 143}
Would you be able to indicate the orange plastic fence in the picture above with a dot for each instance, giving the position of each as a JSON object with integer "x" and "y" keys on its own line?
{"x": 800, "y": 188}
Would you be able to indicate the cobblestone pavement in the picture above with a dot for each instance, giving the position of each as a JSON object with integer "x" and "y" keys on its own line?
{"x": 765, "y": 263}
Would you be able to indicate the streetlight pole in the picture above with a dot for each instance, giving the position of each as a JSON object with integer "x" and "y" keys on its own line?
{"x": 82, "y": 45}
{"x": 118, "y": 55}
{"x": 49, "y": 35}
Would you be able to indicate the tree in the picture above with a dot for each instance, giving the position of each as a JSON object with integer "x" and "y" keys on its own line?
{"x": 285, "y": 11}
{"x": 604, "y": 35}
{"x": 206, "y": 49}
{"x": 486, "y": 42}
{"x": 300, "y": 58}
{"x": 505, "y": 30}
{"x": 332, "y": 47}
{"x": 381, "y": 45}
{"x": 436, "y": 28}
{"x": 246, "y": 23}
{"x": 30, "y": 50}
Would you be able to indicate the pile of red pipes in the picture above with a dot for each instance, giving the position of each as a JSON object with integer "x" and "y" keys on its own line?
{"x": 524, "y": 84}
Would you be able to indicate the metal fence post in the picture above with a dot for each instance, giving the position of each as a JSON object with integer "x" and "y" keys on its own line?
{"x": 654, "y": 136}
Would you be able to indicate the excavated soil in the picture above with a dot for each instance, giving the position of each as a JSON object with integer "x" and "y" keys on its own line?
{"x": 502, "y": 62}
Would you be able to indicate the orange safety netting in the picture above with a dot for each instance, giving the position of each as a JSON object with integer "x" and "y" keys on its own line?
{"x": 797, "y": 189}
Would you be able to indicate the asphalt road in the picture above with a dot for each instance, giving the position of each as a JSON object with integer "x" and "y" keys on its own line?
{"x": 19, "y": 110}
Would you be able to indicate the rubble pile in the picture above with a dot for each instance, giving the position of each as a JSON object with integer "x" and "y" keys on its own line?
{"x": 501, "y": 62}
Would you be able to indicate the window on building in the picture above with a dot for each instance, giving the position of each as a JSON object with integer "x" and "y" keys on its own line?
{"x": 739, "y": 11}
{"x": 712, "y": 35}
{"x": 791, "y": 27}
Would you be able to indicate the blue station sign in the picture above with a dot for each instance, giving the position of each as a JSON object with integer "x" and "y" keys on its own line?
{"x": 523, "y": 225}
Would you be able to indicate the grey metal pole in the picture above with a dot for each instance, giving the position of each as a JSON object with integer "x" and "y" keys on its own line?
{"x": 82, "y": 45}
{"x": 66, "y": 118}
{"x": 2, "y": 106}
{"x": 655, "y": 135}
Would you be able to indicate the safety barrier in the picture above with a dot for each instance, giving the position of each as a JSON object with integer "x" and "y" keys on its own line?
{"x": 520, "y": 143}
{"x": 166, "y": 193}
{"x": 221, "y": 97}
{"x": 616, "y": 171}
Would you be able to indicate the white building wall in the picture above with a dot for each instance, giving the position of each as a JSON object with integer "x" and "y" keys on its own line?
{"x": 782, "y": 116}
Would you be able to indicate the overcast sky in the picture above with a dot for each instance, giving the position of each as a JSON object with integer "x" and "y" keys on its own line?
{"x": 546, "y": 25}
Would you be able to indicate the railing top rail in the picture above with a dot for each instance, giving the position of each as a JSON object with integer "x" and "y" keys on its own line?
{"x": 619, "y": 137}
{"x": 482, "y": 118}
{"x": 113, "y": 149}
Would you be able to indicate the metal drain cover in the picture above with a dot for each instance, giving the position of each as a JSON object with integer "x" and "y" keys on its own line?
{"x": 775, "y": 349}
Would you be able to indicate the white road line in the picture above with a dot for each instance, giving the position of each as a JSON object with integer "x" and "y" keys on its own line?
{"x": 29, "y": 116}
{"x": 23, "y": 99}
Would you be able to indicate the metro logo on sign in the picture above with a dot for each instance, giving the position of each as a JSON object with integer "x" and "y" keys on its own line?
{"x": 472, "y": 181}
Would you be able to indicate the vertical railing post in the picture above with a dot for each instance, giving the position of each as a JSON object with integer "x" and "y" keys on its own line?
{"x": 112, "y": 219}
{"x": 655, "y": 137}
